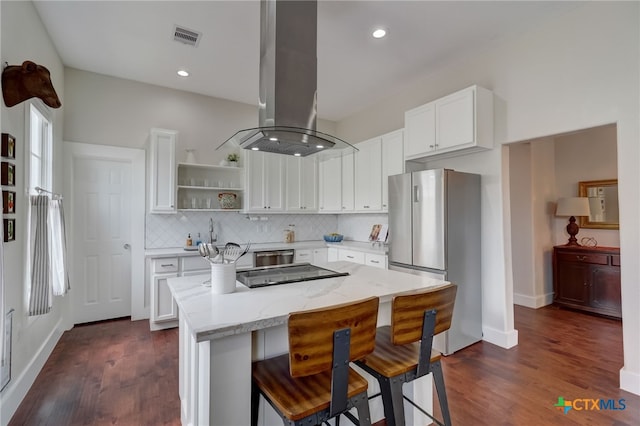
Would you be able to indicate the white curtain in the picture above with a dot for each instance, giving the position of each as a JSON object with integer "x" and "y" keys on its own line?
{"x": 48, "y": 253}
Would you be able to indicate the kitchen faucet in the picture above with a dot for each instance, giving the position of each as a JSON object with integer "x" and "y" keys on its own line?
{"x": 212, "y": 237}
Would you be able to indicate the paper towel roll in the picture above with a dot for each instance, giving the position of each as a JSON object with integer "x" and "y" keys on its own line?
{"x": 223, "y": 278}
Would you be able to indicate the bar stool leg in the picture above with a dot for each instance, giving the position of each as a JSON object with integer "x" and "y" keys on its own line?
{"x": 391, "y": 389}
{"x": 438, "y": 378}
{"x": 362, "y": 406}
{"x": 255, "y": 404}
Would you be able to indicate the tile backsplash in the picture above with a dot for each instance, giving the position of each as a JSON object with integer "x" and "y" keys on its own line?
{"x": 171, "y": 230}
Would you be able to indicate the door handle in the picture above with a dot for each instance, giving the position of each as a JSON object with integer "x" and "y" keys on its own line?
{"x": 416, "y": 194}
{"x": 126, "y": 246}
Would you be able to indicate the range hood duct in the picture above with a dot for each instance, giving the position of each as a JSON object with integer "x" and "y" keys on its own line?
{"x": 288, "y": 85}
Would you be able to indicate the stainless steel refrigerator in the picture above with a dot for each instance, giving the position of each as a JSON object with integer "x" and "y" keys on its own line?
{"x": 434, "y": 230}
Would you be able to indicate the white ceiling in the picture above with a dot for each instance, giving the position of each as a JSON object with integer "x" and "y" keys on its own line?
{"x": 134, "y": 40}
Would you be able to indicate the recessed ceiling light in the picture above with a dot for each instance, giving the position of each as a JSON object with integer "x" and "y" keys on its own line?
{"x": 379, "y": 33}
{"x": 319, "y": 146}
{"x": 183, "y": 73}
{"x": 273, "y": 139}
{"x": 297, "y": 154}
{"x": 255, "y": 148}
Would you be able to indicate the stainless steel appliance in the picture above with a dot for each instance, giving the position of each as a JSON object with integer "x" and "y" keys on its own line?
{"x": 434, "y": 227}
{"x": 288, "y": 81}
{"x": 273, "y": 257}
{"x": 273, "y": 275}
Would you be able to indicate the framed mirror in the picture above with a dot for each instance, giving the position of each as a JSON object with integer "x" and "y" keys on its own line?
{"x": 603, "y": 204}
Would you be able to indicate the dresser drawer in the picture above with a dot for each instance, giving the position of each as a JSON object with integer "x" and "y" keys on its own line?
{"x": 167, "y": 264}
{"x": 615, "y": 260}
{"x": 593, "y": 258}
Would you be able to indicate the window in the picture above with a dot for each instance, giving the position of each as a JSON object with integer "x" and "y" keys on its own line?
{"x": 40, "y": 136}
{"x": 38, "y": 170}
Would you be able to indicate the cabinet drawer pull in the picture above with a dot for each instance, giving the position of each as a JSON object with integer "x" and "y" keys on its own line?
{"x": 165, "y": 265}
{"x": 374, "y": 261}
{"x": 350, "y": 257}
{"x": 581, "y": 258}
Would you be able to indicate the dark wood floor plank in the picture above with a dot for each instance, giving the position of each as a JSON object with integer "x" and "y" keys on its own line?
{"x": 118, "y": 372}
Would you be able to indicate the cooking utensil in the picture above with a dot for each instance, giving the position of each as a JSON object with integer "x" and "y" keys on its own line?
{"x": 246, "y": 249}
{"x": 203, "y": 250}
{"x": 231, "y": 252}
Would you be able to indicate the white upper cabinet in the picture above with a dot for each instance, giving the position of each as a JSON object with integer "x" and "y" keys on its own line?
{"x": 348, "y": 184}
{"x": 462, "y": 121}
{"x": 302, "y": 184}
{"x": 392, "y": 161}
{"x": 265, "y": 181}
{"x": 420, "y": 130}
{"x": 330, "y": 185}
{"x": 162, "y": 171}
{"x": 368, "y": 175}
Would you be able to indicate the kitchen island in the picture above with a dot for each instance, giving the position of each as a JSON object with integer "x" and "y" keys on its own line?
{"x": 220, "y": 335}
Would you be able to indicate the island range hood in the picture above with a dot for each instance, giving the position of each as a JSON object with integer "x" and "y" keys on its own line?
{"x": 288, "y": 85}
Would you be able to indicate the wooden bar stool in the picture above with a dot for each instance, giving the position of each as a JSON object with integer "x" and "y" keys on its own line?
{"x": 314, "y": 382}
{"x": 399, "y": 359}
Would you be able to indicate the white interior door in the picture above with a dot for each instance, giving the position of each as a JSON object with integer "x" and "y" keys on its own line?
{"x": 101, "y": 238}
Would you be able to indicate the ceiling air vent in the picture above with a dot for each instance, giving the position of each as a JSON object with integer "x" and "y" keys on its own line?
{"x": 183, "y": 35}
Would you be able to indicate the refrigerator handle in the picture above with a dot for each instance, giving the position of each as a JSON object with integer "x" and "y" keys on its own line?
{"x": 416, "y": 194}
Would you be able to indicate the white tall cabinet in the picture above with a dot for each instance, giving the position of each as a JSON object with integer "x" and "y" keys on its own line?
{"x": 265, "y": 182}
{"x": 301, "y": 184}
{"x": 368, "y": 175}
{"x": 162, "y": 171}
{"x": 392, "y": 161}
{"x": 336, "y": 184}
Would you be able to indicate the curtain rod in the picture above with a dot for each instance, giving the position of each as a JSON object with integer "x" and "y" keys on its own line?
{"x": 54, "y": 194}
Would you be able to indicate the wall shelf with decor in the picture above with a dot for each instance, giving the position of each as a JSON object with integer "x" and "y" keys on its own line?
{"x": 204, "y": 187}
{"x": 8, "y": 182}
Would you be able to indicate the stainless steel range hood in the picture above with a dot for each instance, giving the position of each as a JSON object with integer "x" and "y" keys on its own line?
{"x": 288, "y": 83}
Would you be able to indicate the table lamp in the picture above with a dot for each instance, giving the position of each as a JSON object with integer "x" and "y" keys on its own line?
{"x": 573, "y": 206}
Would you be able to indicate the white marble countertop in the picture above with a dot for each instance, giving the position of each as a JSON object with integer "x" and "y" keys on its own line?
{"x": 355, "y": 245}
{"x": 213, "y": 316}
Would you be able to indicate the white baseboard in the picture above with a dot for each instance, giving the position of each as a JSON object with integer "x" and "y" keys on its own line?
{"x": 18, "y": 387}
{"x": 629, "y": 381}
{"x": 534, "y": 302}
{"x": 504, "y": 339}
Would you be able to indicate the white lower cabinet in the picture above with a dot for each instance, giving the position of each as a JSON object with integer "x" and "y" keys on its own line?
{"x": 164, "y": 311}
{"x": 163, "y": 308}
{"x": 376, "y": 260}
{"x": 351, "y": 255}
{"x": 317, "y": 255}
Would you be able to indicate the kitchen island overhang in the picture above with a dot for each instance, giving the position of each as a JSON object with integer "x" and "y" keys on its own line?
{"x": 221, "y": 334}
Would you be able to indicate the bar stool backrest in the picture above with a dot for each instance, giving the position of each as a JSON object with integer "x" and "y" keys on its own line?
{"x": 311, "y": 335}
{"x": 408, "y": 313}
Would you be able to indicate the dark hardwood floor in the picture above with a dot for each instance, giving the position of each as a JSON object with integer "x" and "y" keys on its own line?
{"x": 108, "y": 373}
{"x": 118, "y": 372}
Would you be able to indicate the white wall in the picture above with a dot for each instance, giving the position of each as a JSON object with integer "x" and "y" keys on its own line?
{"x": 24, "y": 38}
{"x": 583, "y": 156}
{"x": 577, "y": 71}
{"x": 113, "y": 111}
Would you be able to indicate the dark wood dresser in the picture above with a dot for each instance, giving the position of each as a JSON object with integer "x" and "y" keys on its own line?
{"x": 587, "y": 278}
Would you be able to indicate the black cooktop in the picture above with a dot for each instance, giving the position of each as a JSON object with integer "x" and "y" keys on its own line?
{"x": 284, "y": 274}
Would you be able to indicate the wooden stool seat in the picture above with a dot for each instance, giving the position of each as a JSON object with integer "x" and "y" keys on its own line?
{"x": 391, "y": 360}
{"x": 314, "y": 382}
{"x": 275, "y": 382}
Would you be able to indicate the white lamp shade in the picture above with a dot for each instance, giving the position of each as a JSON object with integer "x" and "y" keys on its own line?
{"x": 573, "y": 206}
